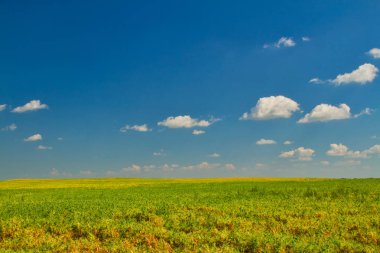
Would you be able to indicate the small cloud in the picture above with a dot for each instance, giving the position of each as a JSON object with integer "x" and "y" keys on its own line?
{"x": 54, "y": 172}
{"x": 305, "y": 39}
{"x": 41, "y": 147}
{"x": 86, "y": 173}
{"x": 265, "y": 142}
{"x": 33, "y": 105}
{"x": 230, "y": 167}
{"x": 3, "y": 107}
{"x": 35, "y": 137}
{"x": 316, "y": 80}
{"x": 133, "y": 168}
{"x": 271, "y": 108}
{"x": 214, "y": 155}
{"x": 159, "y": 153}
{"x": 186, "y": 122}
{"x": 198, "y": 132}
{"x": 375, "y": 53}
{"x": 60, "y": 138}
{"x": 366, "y": 111}
{"x": 282, "y": 42}
{"x": 288, "y": 142}
{"x": 301, "y": 154}
{"x": 11, "y": 127}
{"x": 137, "y": 128}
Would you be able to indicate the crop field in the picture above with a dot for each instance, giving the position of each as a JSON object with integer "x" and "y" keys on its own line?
{"x": 190, "y": 215}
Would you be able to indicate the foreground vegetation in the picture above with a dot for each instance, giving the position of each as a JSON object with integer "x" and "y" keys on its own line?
{"x": 215, "y": 215}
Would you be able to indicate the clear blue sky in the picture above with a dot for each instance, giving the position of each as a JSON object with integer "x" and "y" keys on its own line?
{"x": 189, "y": 88}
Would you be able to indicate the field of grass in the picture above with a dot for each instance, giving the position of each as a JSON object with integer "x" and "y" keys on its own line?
{"x": 184, "y": 215}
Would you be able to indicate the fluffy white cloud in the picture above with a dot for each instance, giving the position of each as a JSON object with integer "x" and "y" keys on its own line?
{"x": 344, "y": 151}
{"x": 198, "y": 132}
{"x": 288, "y": 142}
{"x": 2, "y": 107}
{"x": 325, "y": 112}
{"x": 272, "y": 107}
{"x": 265, "y": 142}
{"x": 215, "y": 155}
{"x": 11, "y": 127}
{"x": 42, "y": 147}
{"x": 365, "y": 73}
{"x": 31, "y": 106}
{"x": 35, "y": 137}
{"x": 301, "y": 153}
{"x": 185, "y": 122}
{"x": 375, "y": 53}
{"x": 138, "y": 128}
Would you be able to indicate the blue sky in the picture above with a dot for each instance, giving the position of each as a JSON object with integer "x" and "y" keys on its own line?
{"x": 189, "y": 89}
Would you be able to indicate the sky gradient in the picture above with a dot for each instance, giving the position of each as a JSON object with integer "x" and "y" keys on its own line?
{"x": 189, "y": 89}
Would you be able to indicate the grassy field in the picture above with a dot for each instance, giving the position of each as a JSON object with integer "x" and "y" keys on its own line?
{"x": 184, "y": 215}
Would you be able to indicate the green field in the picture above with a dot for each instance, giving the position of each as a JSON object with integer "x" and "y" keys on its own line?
{"x": 184, "y": 215}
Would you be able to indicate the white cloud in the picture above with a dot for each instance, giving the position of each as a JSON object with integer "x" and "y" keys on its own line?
{"x": 186, "y": 122}
{"x": 316, "y": 80}
{"x": 133, "y": 168}
{"x": 265, "y": 142}
{"x": 42, "y": 147}
{"x": 11, "y": 127}
{"x": 214, "y": 155}
{"x": 2, "y": 107}
{"x": 325, "y": 112}
{"x": 374, "y": 52}
{"x": 31, "y": 106}
{"x": 288, "y": 142}
{"x": 301, "y": 153}
{"x": 137, "y": 128}
{"x": 282, "y": 42}
{"x": 198, "y": 132}
{"x": 305, "y": 39}
{"x": 35, "y": 137}
{"x": 344, "y": 151}
{"x": 365, "y": 73}
{"x": 272, "y": 107}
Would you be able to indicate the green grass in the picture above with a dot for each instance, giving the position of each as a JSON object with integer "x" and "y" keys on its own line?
{"x": 183, "y": 215}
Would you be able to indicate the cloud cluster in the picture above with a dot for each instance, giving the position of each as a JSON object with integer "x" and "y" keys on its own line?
{"x": 271, "y": 108}
{"x": 185, "y": 122}
{"x": 137, "y": 128}
{"x": 301, "y": 154}
{"x": 33, "y": 105}
{"x": 344, "y": 151}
